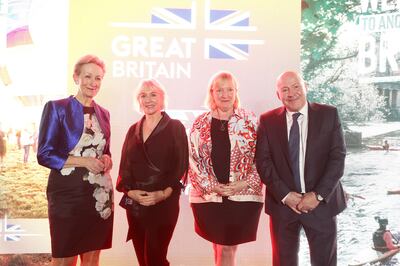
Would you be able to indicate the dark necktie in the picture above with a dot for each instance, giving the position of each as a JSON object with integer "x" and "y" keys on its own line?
{"x": 294, "y": 150}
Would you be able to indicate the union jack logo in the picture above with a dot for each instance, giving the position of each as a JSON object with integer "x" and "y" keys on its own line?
{"x": 215, "y": 20}
{"x": 172, "y": 16}
{"x": 12, "y": 232}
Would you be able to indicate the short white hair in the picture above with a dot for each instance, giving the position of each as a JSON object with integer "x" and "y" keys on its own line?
{"x": 152, "y": 84}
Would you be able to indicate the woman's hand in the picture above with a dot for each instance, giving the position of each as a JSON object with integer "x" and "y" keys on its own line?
{"x": 150, "y": 198}
{"x": 230, "y": 189}
{"x": 237, "y": 186}
{"x": 137, "y": 195}
{"x": 154, "y": 197}
{"x": 223, "y": 190}
{"x": 94, "y": 165}
{"x": 106, "y": 159}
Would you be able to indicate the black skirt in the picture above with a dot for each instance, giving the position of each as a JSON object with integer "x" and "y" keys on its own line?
{"x": 227, "y": 223}
{"x": 75, "y": 225}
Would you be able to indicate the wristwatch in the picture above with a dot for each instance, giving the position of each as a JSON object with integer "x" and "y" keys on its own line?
{"x": 318, "y": 196}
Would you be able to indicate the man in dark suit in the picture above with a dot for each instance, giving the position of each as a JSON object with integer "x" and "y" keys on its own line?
{"x": 300, "y": 158}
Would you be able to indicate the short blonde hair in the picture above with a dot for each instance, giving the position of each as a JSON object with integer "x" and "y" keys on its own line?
{"x": 152, "y": 84}
{"x": 221, "y": 75}
{"x": 88, "y": 59}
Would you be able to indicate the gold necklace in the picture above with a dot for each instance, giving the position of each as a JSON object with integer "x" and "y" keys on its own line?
{"x": 223, "y": 123}
{"x": 223, "y": 126}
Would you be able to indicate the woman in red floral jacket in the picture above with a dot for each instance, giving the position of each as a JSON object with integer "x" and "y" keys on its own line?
{"x": 226, "y": 195}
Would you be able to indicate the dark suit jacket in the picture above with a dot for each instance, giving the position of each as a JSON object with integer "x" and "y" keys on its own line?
{"x": 324, "y": 159}
{"x": 61, "y": 127}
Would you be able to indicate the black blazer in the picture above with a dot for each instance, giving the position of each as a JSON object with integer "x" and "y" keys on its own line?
{"x": 324, "y": 159}
{"x": 160, "y": 162}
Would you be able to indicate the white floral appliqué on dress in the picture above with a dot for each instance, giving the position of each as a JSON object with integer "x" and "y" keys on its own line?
{"x": 91, "y": 144}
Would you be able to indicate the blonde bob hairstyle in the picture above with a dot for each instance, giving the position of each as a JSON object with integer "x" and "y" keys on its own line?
{"x": 88, "y": 59}
{"x": 150, "y": 84}
{"x": 213, "y": 83}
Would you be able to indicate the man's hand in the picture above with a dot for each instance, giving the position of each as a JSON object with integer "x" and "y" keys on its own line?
{"x": 308, "y": 203}
{"x": 292, "y": 200}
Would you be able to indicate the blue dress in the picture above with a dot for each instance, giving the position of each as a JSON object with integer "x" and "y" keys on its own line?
{"x": 80, "y": 203}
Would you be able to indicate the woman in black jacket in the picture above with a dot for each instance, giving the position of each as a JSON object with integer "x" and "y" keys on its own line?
{"x": 153, "y": 167}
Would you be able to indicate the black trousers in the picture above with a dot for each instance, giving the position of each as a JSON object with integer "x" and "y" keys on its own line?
{"x": 320, "y": 233}
{"x": 151, "y": 233}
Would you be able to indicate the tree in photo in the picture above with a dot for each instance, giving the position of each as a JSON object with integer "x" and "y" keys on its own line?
{"x": 329, "y": 49}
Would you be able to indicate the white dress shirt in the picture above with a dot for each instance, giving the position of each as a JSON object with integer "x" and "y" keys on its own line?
{"x": 303, "y": 126}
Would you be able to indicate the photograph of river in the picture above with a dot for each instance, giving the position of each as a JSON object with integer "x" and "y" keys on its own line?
{"x": 345, "y": 64}
{"x": 369, "y": 175}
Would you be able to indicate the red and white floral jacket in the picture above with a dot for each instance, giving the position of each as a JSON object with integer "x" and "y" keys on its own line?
{"x": 242, "y": 128}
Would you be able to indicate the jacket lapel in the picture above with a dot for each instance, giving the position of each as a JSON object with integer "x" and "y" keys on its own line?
{"x": 74, "y": 122}
{"x": 101, "y": 117}
{"x": 159, "y": 127}
{"x": 281, "y": 130}
{"x": 162, "y": 124}
{"x": 314, "y": 124}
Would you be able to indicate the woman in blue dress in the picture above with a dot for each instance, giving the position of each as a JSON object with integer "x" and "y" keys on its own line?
{"x": 74, "y": 142}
